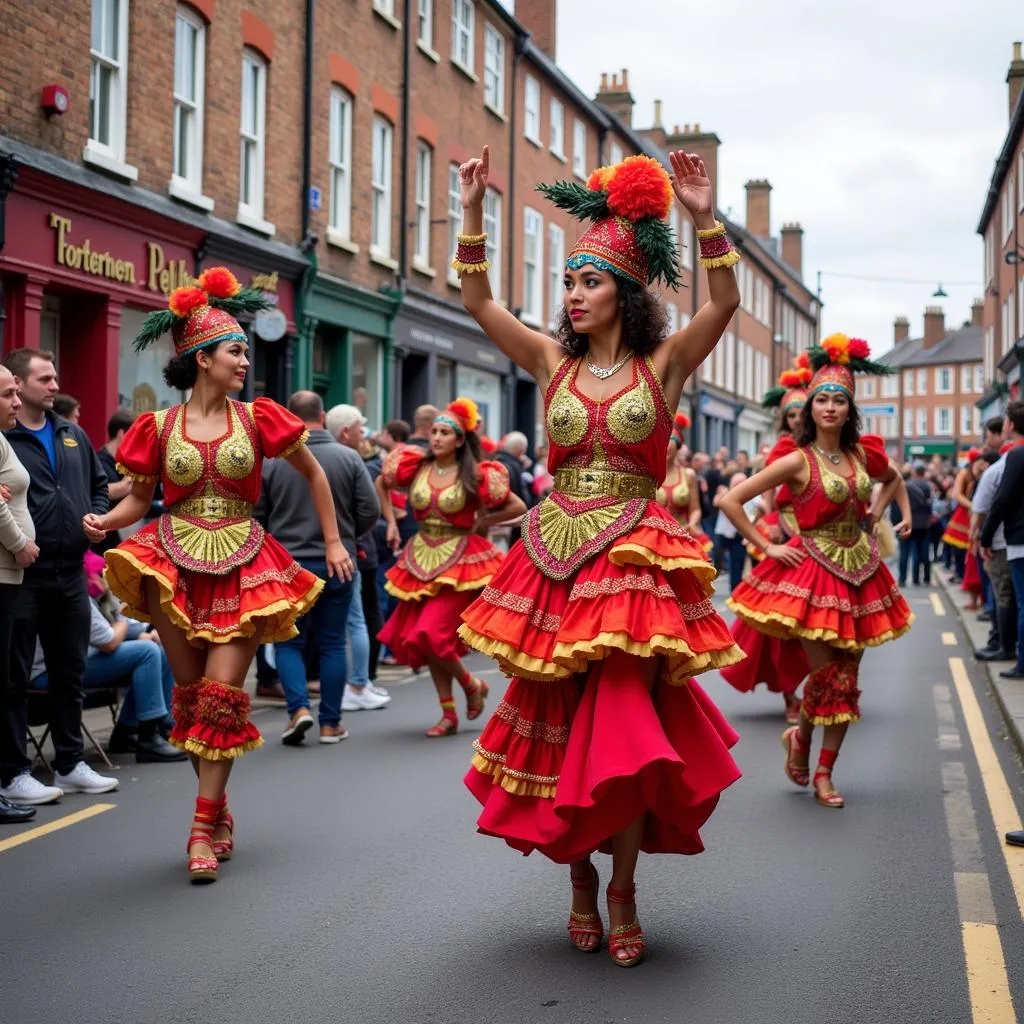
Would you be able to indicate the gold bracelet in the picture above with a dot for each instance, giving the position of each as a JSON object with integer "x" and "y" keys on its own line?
{"x": 477, "y": 239}
{"x": 717, "y": 231}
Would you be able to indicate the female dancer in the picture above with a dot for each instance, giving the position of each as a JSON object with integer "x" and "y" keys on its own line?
{"x": 826, "y": 587}
{"x": 957, "y": 535}
{"x": 214, "y": 586}
{"x": 602, "y": 614}
{"x": 456, "y": 499}
{"x": 973, "y": 581}
{"x": 780, "y": 664}
{"x": 679, "y": 491}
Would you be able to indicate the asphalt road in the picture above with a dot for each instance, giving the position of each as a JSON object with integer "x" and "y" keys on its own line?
{"x": 360, "y": 891}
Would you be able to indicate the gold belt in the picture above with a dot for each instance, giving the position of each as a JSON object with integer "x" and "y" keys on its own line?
{"x": 845, "y": 530}
{"x": 212, "y": 508}
{"x": 604, "y": 483}
{"x": 432, "y": 528}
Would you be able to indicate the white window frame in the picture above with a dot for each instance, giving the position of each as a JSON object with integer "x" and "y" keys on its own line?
{"x": 385, "y": 7}
{"x": 425, "y": 23}
{"x": 579, "y": 148}
{"x": 673, "y": 317}
{"x": 943, "y": 380}
{"x": 339, "y": 157}
{"x": 531, "y": 109}
{"x": 686, "y": 243}
{"x": 421, "y": 201}
{"x": 556, "y": 128}
{"x": 250, "y": 209}
{"x": 110, "y": 155}
{"x": 944, "y": 421}
{"x": 556, "y": 271}
{"x": 869, "y": 387}
{"x": 189, "y": 185}
{"x": 965, "y": 421}
{"x": 464, "y": 35}
{"x": 381, "y": 187}
{"x": 979, "y": 377}
{"x": 922, "y": 382}
{"x": 908, "y": 422}
{"x": 1009, "y": 206}
{"x": 615, "y": 154}
{"x": 493, "y": 226}
{"x": 533, "y": 267}
{"x": 977, "y": 422}
{"x": 966, "y": 379}
{"x": 454, "y": 220}
{"x": 730, "y": 362}
{"x": 891, "y": 386}
{"x": 494, "y": 70}
{"x": 922, "y": 422}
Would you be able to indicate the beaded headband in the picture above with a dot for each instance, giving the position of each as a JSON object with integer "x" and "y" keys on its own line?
{"x": 461, "y": 415}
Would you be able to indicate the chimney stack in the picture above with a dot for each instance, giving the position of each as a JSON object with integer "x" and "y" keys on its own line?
{"x": 657, "y": 113}
{"x": 901, "y": 329}
{"x": 758, "y": 208}
{"x": 978, "y": 313}
{"x": 615, "y": 96}
{"x": 793, "y": 247}
{"x": 934, "y": 326}
{"x": 704, "y": 144}
{"x": 540, "y": 19}
{"x": 1015, "y": 78}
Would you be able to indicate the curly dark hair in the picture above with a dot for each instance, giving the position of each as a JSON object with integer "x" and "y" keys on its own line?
{"x": 469, "y": 456}
{"x": 849, "y": 436}
{"x": 181, "y": 372}
{"x": 644, "y": 321}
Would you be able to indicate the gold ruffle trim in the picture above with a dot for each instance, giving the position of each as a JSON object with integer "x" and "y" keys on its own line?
{"x": 840, "y": 719}
{"x": 729, "y": 259}
{"x": 570, "y": 659}
{"x": 521, "y": 786}
{"x": 471, "y": 268}
{"x": 295, "y": 445}
{"x": 215, "y": 753}
{"x": 282, "y": 613}
{"x": 787, "y": 628}
{"x": 955, "y": 542}
{"x": 142, "y": 478}
{"x": 435, "y": 586}
{"x": 642, "y": 555}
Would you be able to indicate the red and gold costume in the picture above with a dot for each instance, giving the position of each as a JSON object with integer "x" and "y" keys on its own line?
{"x": 675, "y": 496}
{"x": 445, "y": 564}
{"x": 958, "y": 529}
{"x": 841, "y": 592}
{"x": 605, "y": 593}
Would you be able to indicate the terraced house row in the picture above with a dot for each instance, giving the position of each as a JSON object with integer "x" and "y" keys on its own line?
{"x": 312, "y": 146}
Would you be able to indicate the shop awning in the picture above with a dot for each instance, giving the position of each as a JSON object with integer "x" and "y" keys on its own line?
{"x": 931, "y": 448}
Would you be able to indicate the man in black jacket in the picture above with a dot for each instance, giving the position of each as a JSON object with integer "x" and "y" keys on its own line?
{"x": 1008, "y": 509}
{"x": 67, "y": 482}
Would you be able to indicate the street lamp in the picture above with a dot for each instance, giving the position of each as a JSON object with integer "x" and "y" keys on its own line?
{"x": 939, "y": 292}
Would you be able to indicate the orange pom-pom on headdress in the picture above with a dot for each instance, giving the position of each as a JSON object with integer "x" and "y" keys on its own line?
{"x": 803, "y": 361}
{"x": 790, "y": 379}
{"x": 804, "y": 374}
{"x": 461, "y": 415}
{"x": 838, "y": 348}
{"x": 219, "y": 282}
{"x": 183, "y": 300}
{"x": 679, "y": 424}
{"x": 639, "y": 187}
{"x": 598, "y": 180}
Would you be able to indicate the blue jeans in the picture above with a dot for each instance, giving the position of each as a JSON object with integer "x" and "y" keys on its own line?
{"x": 327, "y": 617}
{"x": 1017, "y": 574}
{"x": 358, "y": 637}
{"x": 916, "y": 551}
{"x": 735, "y": 548}
{"x": 148, "y": 696}
{"x": 386, "y": 601}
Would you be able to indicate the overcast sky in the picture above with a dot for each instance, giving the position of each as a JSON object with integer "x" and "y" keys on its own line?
{"x": 877, "y": 123}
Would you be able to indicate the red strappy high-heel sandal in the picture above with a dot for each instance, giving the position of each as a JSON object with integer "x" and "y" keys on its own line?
{"x": 799, "y": 775}
{"x": 582, "y": 926}
{"x": 476, "y": 696}
{"x": 223, "y": 849}
{"x": 203, "y": 869}
{"x": 626, "y": 936}
{"x": 833, "y": 799}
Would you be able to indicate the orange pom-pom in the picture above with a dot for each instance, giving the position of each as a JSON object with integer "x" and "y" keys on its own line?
{"x": 639, "y": 187}
{"x": 838, "y": 348}
{"x": 466, "y": 410}
{"x": 790, "y": 379}
{"x": 804, "y": 374}
{"x": 219, "y": 282}
{"x": 682, "y": 421}
{"x": 183, "y": 300}
{"x": 598, "y": 180}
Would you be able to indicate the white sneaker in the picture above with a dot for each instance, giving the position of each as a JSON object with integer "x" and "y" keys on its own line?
{"x": 82, "y": 779}
{"x": 379, "y": 690}
{"x": 25, "y": 790}
{"x": 363, "y": 700}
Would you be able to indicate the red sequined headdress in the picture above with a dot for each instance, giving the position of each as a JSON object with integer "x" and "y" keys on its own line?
{"x": 837, "y": 359}
{"x": 630, "y": 236}
{"x": 791, "y": 389}
{"x": 202, "y": 314}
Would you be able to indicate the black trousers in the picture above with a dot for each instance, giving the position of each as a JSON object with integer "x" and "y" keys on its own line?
{"x": 53, "y": 606}
{"x": 371, "y": 612}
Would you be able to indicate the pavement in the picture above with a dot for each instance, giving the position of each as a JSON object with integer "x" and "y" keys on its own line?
{"x": 360, "y": 890}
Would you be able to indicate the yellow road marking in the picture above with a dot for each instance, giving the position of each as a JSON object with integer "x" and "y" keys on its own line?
{"x": 949, "y": 639}
{"x": 937, "y": 606}
{"x": 986, "y": 975}
{"x": 54, "y": 826}
{"x": 997, "y": 789}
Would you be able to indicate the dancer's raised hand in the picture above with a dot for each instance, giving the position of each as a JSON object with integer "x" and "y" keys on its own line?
{"x": 691, "y": 184}
{"x": 473, "y": 179}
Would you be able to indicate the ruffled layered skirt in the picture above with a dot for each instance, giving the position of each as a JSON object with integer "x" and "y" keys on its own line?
{"x": 261, "y": 598}
{"x": 779, "y": 664}
{"x": 958, "y": 529}
{"x": 429, "y": 612}
{"x": 602, "y": 722}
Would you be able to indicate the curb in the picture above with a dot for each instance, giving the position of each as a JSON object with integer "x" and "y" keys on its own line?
{"x": 1008, "y": 693}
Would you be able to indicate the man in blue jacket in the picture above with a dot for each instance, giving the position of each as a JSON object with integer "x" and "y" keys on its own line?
{"x": 67, "y": 482}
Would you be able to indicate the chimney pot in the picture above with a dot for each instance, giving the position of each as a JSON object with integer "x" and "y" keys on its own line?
{"x": 615, "y": 81}
{"x": 625, "y": 79}
{"x": 1015, "y": 78}
{"x": 657, "y": 113}
{"x": 696, "y": 128}
{"x": 759, "y": 208}
{"x": 1016, "y": 51}
{"x": 604, "y": 81}
{"x": 901, "y": 329}
{"x": 793, "y": 246}
{"x": 978, "y": 312}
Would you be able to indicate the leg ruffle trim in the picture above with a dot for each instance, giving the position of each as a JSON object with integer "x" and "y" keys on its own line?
{"x": 573, "y": 658}
{"x": 516, "y": 783}
{"x": 831, "y": 696}
{"x": 183, "y": 711}
{"x": 221, "y": 730}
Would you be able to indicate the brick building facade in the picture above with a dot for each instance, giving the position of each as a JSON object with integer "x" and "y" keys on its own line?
{"x": 185, "y": 143}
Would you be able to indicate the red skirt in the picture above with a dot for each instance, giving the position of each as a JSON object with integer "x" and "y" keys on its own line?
{"x": 780, "y": 664}
{"x": 602, "y": 723}
{"x": 808, "y": 601}
{"x": 972, "y": 577}
{"x": 430, "y": 626}
{"x": 261, "y": 599}
{"x": 958, "y": 528}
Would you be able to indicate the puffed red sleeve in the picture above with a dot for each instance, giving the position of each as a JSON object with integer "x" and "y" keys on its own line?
{"x": 280, "y": 431}
{"x": 494, "y": 485}
{"x": 138, "y": 454}
{"x": 783, "y": 447}
{"x": 876, "y": 460}
{"x": 401, "y": 465}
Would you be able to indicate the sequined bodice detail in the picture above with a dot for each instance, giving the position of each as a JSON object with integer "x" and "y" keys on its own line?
{"x": 627, "y": 432}
{"x": 675, "y": 497}
{"x": 433, "y": 503}
{"x": 829, "y": 495}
